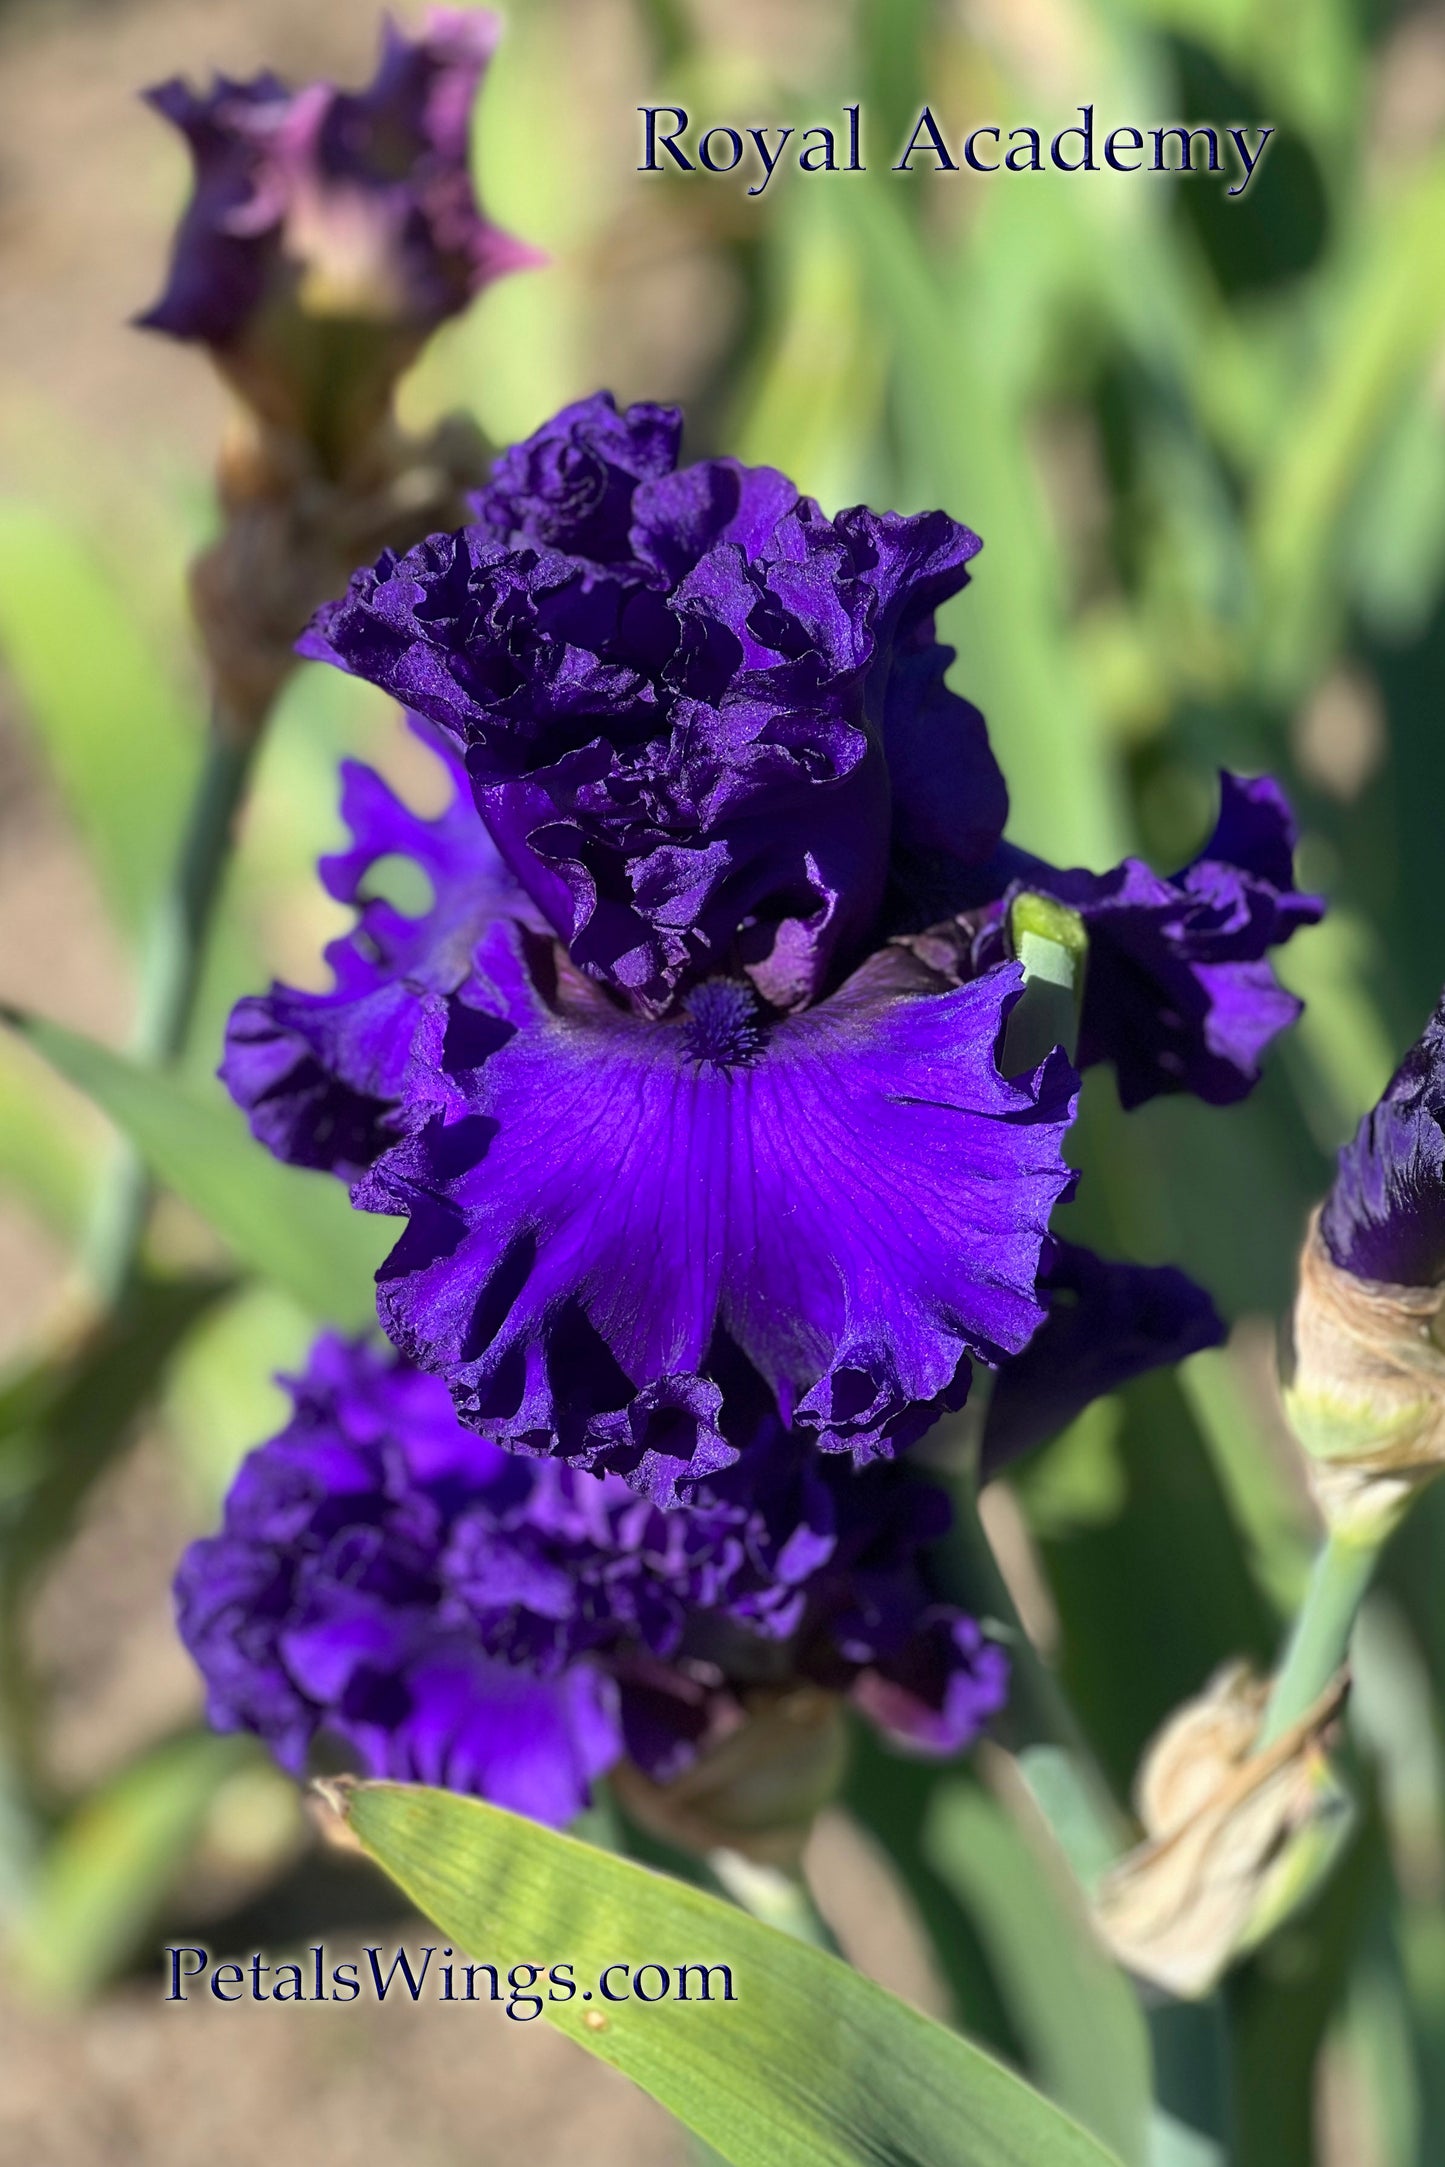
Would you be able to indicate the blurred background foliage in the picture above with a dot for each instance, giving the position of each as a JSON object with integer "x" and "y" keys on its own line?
{"x": 1204, "y": 442}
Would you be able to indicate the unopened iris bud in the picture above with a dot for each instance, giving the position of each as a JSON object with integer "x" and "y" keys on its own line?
{"x": 1367, "y": 1398}
{"x": 330, "y": 232}
{"x": 1235, "y": 1835}
{"x": 1052, "y": 943}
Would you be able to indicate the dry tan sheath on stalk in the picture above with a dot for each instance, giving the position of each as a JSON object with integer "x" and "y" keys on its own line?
{"x": 1224, "y": 1834}
{"x": 1367, "y": 1399}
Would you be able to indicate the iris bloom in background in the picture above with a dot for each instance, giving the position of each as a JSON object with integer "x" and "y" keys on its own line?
{"x": 328, "y": 235}
{"x": 458, "y": 1616}
{"x": 330, "y": 231}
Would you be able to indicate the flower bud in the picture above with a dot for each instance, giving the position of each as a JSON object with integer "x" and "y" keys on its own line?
{"x": 1234, "y": 1837}
{"x": 757, "y": 1790}
{"x": 1367, "y": 1398}
{"x": 330, "y": 232}
{"x": 1052, "y": 943}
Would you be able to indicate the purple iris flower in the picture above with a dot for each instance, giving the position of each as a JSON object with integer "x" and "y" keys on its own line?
{"x": 332, "y": 1080}
{"x": 323, "y": 208}
{"x": 681, "y": 1066}
{"x": 853, "y": 1196}
{"x": 1384, "y": 1218}
{"x": 708, "y": 729}
{"x": 455, "y": 1615}
{"x": 774, "y": 1139}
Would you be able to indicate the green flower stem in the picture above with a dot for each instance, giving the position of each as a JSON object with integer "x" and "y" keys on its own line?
{"x": 771, "y": 1893}
{"x": 775, "y": 1896}
{"x": 1038, "y": 1727}
{"x": 1320, "y": 1639}
{"x": 170, "y": 974}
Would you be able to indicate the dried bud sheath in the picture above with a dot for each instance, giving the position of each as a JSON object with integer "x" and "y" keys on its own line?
{"x": 1368, "y": 1395}
{"x": 1234, "y": 1835}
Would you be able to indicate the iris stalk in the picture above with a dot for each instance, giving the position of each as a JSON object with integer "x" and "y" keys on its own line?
{"x": 1320, "y": 1639}
{"x": 775, "y": 1896}
{"x": 170, "y": 976}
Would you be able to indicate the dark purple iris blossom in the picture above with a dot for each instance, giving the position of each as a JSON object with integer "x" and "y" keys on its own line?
{"x": 1107, "y": 1323}
{"x": 713, "y": 1081}
{"x": 1179, "y": 994}
{"x": 706, "y": 726}
{"x": 323, "y": 204}
{"x": 458, "y": 1616}
{"x": 1384, "y": 1218}
{"x": 600, "y": 1196}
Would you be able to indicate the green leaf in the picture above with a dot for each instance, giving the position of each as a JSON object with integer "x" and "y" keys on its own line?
{"x": 964, "y": 445}
{"x": 813, "y": 399}
{"x": 117, "y": 738}
{"x": 47, "y": 1154}
{"x": 222, "y": 1392}
{"x": 1283, "y": 2000}
{"x": 1078, "y": 2019}
{"x": 102, "y": 1878}
{"x": 1104, "y": 1578}
{"x": 809, "y": 2065}
{"x": 293, "y": 1227}
{"x": 64, "y": 1419}
{"x": 890, "y": 1795}
{"x": 1388, "y": 326}
{"x": 1341, "y": 1051}
{"x": 1267, "y": 1510}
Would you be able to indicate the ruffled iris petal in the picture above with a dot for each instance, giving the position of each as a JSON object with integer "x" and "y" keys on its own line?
{"x": 454, "y": 1615}
{"x": 330, "y": 202}
{"x": 857, "y": 1202}
{"x": 701, "y": 718}
{"x": 321, "y": 1076}
{"x": 935, "y": 1694}
{"x": 453, "y": 1719}
{"x": 1106, "y": 1324}
{"x": 1179, "y": 996}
